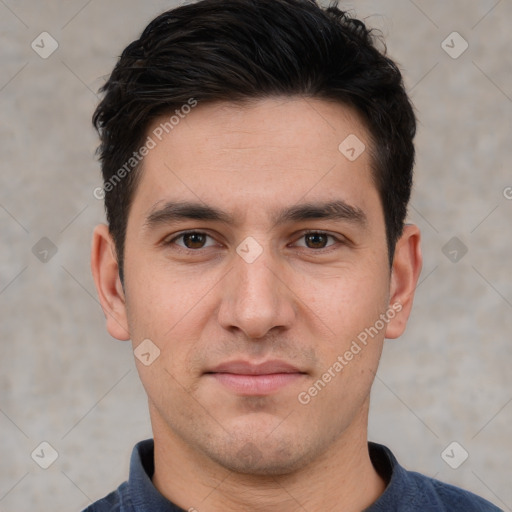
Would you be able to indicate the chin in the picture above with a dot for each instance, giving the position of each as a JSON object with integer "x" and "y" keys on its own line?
{"x": 264, "y": 456}
{"x": 250, "y": 461}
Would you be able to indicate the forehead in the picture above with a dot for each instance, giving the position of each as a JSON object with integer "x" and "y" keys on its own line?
{"x": 267, "y": 153}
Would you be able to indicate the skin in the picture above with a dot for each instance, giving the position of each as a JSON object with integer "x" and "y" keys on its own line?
{"x": 300, "y": 301}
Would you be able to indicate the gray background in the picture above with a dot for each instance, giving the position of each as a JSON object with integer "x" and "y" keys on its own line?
{"x": 65, "y": 381}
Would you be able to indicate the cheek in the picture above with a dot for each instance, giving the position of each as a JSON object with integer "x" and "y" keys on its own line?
{"x": 351, "y": 308}
{"x": 350, "y": 302}
{"x": 160, "y": 298}
{"x": 171, "y": 309}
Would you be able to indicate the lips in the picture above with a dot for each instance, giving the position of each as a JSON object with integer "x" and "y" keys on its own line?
{"x": 250, "y": 379}
{"x": 247, "y": 368}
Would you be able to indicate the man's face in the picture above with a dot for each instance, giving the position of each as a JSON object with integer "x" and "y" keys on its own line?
{"x": 257, "y": 288}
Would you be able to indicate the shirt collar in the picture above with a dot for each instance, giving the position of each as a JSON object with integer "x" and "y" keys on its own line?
{"x": 146, "y": 498}
{"x": 143, "y": 494}
{"x": 396, "y": 477}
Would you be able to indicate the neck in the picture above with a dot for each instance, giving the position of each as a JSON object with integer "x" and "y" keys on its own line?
{"x": 342, "y": 478}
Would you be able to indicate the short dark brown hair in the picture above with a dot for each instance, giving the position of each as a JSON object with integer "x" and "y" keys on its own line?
{"x": 240, "y": 50}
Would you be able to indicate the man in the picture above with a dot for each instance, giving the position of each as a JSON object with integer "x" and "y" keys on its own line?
{"x": 257, "y": 160}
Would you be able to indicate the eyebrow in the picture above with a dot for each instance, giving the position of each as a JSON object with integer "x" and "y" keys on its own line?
{"x": 174, "y": 211}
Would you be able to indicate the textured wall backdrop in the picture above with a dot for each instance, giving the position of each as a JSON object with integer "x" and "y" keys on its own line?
{"x": 65, "y": 382}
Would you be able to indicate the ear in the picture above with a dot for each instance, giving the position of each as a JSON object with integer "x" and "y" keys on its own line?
{"x": 105, "y": 271}
{"x": 407, "y": 263}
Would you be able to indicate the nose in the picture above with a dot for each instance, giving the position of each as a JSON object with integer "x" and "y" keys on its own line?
{"x": 257, "y": 298}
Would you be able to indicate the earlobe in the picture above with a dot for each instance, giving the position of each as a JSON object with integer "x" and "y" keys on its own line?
{"x": 407, "y": 263}
{"x": 105, "y": 271}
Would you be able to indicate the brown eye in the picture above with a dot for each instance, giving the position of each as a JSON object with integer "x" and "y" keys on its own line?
{"x": 194, "y": 240}
{"x": 316, "y": 240}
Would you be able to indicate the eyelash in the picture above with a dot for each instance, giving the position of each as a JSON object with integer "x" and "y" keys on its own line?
{"x": 305, "y": 233}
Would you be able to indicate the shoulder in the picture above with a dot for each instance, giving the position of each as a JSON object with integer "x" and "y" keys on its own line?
{"x": 116, "y": 501}
{"x": 409, "y": 491}
{"x": 446, "y": 497}
{"x": 137, "y": 485}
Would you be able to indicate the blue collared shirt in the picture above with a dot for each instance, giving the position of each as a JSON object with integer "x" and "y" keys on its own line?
{"x": 407, "y": 491}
